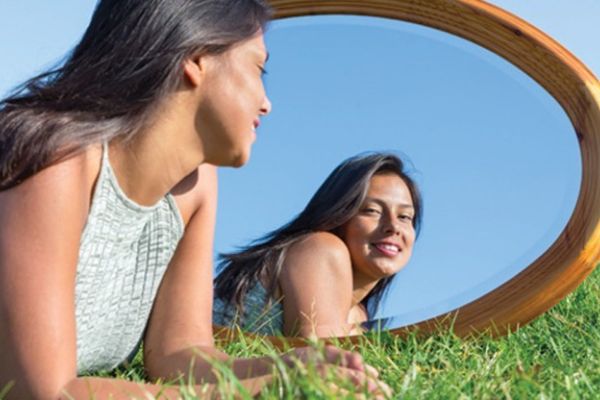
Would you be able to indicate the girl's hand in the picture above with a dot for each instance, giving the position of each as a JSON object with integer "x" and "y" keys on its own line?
{"x": 344, "y": 364}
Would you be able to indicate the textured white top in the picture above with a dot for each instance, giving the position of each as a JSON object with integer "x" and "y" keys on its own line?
{"x": 124, "y": 251}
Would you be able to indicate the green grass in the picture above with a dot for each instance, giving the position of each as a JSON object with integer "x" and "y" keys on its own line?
{"x": 555, "y": 357}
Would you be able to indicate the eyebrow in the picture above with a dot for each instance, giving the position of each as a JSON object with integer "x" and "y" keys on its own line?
{"x": 381, "y": 202}
{"x": 267, "y": 57}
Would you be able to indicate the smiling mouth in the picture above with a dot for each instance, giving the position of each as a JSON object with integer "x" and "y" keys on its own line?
{"x": 387, "y": 249}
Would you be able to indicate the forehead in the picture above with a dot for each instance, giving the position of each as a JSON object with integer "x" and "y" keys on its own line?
{"x": 254, "y": 45}
{"x": 390, "y": 188}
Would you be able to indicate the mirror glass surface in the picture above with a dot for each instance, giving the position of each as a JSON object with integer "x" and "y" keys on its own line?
{"x": 495, "y": 156}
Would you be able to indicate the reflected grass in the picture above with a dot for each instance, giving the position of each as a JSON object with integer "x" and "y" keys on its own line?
{"x": 556, "y": 356}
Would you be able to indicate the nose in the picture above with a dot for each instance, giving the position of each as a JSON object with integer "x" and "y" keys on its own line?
{"x": 266, "y": 106}
{"x": 391, "y": 225}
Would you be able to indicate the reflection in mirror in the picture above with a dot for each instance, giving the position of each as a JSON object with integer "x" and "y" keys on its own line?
{"x": 495, "y": 156}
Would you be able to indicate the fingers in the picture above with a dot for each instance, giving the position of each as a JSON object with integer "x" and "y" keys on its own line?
{"x": 371, "y": 371}
{"x": 255, "y": 385}
{"x": 351, "y": 365}
{"x": 345, "y": 365}
{"x": 344, "y": 358}
{"x": 349, "y": 360}
{"x": 344, "y": 393}
{"x": 360, "y": 380}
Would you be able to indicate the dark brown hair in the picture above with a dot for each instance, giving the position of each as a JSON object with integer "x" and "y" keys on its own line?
{"x": 127, "y": 61}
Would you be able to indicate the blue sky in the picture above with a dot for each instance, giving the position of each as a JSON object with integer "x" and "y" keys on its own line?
{"x": 494, "y": 155}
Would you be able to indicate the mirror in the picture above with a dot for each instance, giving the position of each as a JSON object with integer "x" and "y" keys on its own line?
{"x": 555, "y": 254}
{"x": 495, "y": 155}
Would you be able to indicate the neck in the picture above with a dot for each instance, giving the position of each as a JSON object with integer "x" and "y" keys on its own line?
{"x": 149, "y": 165}
{"x": 361, "y": 286}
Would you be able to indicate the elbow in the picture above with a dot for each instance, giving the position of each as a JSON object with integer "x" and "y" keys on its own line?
{"x": 194, "y": 361}
{"x": 155, "y": 365}
{"x": 39, "y": 389}
{"x": 23, "y": 381}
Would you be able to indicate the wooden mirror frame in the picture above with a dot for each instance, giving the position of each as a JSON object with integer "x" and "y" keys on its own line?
{"x": 571, "y": 258}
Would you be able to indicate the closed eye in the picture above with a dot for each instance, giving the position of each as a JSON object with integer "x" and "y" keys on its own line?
{"x": 406, "y": 217}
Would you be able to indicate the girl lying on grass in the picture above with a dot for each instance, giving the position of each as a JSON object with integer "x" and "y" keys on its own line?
{"x": 325, "y": 272}
{"x": 108, "y": 198}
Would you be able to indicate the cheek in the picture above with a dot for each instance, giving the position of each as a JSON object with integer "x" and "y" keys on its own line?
{"x": 410, "y": 238}
{"x": 358, "y": 238}
{"x": 244, "y": 83}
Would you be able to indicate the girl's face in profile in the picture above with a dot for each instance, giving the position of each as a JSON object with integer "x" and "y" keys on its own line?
{"x": 233, "y": 101}
{"x": 381, "y": 235}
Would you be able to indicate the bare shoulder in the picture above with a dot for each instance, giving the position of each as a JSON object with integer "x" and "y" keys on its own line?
{"x": 42, "y": 218}
{"x": 196, "y": 190}
{"x": 321, "y": 244}
{"x": 66, "y": 184}
{"x": 319, "y": 253}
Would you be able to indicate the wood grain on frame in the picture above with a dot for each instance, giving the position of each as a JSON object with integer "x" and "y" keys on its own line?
{"x": 563, "y": 266}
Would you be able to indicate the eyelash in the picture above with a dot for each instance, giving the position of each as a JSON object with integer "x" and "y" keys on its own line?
{"x": 263, "y": 71}
{"x": 371, "y": 210}
{"x": 401, "y": 216}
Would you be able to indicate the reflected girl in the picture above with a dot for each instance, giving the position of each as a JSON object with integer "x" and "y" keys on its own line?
{"x": 328, "y": 269}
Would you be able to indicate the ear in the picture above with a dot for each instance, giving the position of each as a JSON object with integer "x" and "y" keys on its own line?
{"x": 194, "y": 69}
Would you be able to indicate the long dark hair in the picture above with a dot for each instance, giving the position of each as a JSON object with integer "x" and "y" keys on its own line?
{"x": 335, "y": 202}
{"x": 129, "y": 59}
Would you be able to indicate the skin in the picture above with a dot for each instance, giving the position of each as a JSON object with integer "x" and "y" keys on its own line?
{"x": 209, "y": 120}
{"x": 325, "y": 276}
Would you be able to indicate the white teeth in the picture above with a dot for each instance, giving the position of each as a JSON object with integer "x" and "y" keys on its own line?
{"x": 389, "y": 247}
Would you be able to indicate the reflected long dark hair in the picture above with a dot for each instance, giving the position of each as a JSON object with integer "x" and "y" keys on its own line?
{"x": 129, "y": 59}
{"x": 336, "y": 201}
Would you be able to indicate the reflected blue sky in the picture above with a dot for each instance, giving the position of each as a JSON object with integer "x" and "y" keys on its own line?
{"x": 495, "y": 156}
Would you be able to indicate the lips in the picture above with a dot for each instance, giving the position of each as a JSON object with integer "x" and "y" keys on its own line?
{"x": 387, "y": 248}
{"x": 256, "y": 124}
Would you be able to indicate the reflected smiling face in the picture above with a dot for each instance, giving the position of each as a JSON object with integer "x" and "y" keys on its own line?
{"x": 233, "y": 100}
{"x": 381, "y": 235}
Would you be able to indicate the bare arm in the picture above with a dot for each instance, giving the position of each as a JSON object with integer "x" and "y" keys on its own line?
{"x": 180, "y": 327}
{"x": 41, "y": 222}
{"x": 316, "y": 282}
{"x": 40, "y": 225}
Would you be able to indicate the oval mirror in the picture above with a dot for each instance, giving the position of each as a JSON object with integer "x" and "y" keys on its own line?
{"x": 500, "y": 123}
{"x": 502, "y": 136}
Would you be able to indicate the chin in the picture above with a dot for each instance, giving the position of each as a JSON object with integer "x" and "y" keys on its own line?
{"x": 240, "y": 160}
{"x": 390, "y": 274}
{"x": 389, "y": 271}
